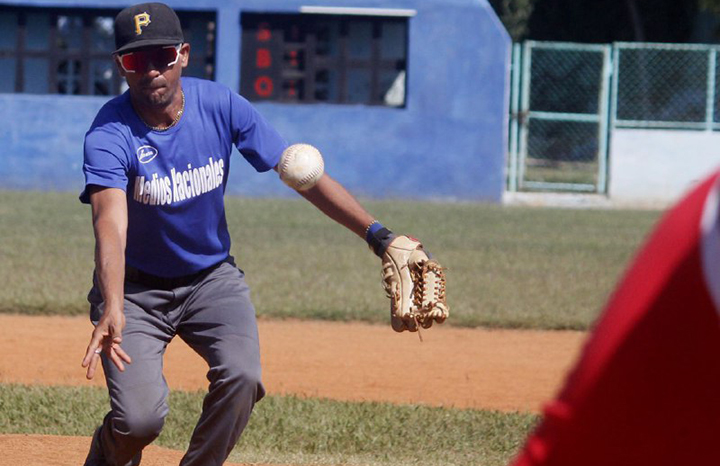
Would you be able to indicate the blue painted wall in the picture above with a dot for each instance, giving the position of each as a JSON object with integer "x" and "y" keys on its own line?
{"x": 449, "y": 142}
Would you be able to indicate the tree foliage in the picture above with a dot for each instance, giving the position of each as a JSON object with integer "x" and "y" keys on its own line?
{"x": 710, "y": 5}
{"x": 606, "y": 21}
{"x": 515, "y": 15}
{"x": 603, "y": 21}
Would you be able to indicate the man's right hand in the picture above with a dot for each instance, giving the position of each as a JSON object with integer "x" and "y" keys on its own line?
{"x": 106, "y": 338}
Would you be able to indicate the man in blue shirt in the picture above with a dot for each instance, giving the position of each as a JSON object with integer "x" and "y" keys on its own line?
{"x": 156, "y": 165}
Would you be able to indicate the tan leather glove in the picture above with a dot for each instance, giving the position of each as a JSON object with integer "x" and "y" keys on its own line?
{"x": 415, "y": 285}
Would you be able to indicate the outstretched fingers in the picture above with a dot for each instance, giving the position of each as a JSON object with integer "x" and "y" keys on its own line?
{"x": 93, "y": 350}
{"x": 102, "y": 341}
{"x": 118, "y": 356}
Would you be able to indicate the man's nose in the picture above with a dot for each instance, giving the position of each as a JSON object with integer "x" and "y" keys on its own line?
{"x": 153, "y": 64}
{"x": 152, "y": 68}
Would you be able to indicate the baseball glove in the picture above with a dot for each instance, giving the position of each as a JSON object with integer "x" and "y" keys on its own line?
{"x": 415, "y": 284}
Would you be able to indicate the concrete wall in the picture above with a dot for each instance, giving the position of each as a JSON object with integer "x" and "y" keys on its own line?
{"x": 656, "y": 167}
{"x": 449, "y": 141}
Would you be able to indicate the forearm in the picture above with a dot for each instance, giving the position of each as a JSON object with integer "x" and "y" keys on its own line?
{"x": 110, "y": 227}
{"x": 337, "y": 203}
{"x": 110, "y": 265}
{"x": 109, "y": 210}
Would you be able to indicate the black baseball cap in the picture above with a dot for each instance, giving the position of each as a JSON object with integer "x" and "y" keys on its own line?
{"x": 146, "y": 25}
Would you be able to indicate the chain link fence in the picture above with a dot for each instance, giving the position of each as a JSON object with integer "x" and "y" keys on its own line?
{"x": 567, "y": 98}
{"x": 561, "y": 115}
{"x": 666, "y": 86}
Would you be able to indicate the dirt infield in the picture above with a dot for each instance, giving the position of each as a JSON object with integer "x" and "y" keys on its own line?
{"x": 47, "y": 450}
{"x": 468, "y": 368}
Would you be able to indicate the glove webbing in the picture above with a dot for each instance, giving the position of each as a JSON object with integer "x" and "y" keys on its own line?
{"x": 426, "y": 297}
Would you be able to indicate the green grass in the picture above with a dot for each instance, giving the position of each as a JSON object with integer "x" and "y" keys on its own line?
{"x": 561, "y": 172}
{"x": 507, "y": 266}
{"x": 290, "y": 430}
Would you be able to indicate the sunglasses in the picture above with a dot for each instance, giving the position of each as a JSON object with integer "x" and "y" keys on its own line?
{"x": 142, "y": 60}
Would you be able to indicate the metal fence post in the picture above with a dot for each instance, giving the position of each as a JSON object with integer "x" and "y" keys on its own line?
{"x": 524, "y": 109}
{"x": 710, "y": 101}
{"x": 603, "y": 132}
{"x": 514, "y": 118}
{"x": 614, "y": 92}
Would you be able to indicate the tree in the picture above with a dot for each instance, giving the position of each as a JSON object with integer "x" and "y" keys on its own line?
{"x": 602, "y": 21}
{"x": 607, "y": 21}
{"x": 710, "y": 5}
{"x": 636, "y": 20}
{"x": 515, "y": 15}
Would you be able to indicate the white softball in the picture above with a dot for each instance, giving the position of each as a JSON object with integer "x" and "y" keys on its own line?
{"x": 301, "y": 166}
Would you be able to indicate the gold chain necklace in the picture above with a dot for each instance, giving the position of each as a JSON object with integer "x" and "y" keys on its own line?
{"x": 174, "y": 122}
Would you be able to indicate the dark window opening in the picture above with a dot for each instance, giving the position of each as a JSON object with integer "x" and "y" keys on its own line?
{"x": 316, "y": 58}
{"x": 68, "y": 51}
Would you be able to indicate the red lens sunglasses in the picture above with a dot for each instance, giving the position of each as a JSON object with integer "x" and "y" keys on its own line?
{"x": 142, "y": 60}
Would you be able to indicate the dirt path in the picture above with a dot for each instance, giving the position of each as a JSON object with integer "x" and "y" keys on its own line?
{"x": 469, "y": 368}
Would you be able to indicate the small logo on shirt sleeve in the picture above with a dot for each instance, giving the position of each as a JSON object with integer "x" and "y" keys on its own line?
{"x": 146, "y": 154}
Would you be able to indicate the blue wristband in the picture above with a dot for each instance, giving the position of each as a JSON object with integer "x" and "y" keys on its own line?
{"x": 372, "y": 229}
{"x": 378, "y": 238}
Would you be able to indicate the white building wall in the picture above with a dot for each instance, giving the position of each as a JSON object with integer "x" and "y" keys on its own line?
{"x": 657, "y": 166}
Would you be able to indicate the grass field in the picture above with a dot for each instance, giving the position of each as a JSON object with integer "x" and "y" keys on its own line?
{"x": 561, "y": 172}
{"x": 290, "y": 430}
{"x": 507, "y": 267}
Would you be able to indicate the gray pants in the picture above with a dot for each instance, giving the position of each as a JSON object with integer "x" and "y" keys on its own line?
{"x": 215, "y": 317}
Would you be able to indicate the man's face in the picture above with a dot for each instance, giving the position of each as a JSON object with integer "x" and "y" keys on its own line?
{"x": 153, "y": 74}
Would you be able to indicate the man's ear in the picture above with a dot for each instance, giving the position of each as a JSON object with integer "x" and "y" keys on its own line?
{"x": 185, "y": 54}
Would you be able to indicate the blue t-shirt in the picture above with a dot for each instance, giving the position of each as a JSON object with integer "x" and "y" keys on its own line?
{"x": 175, "y": 179}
